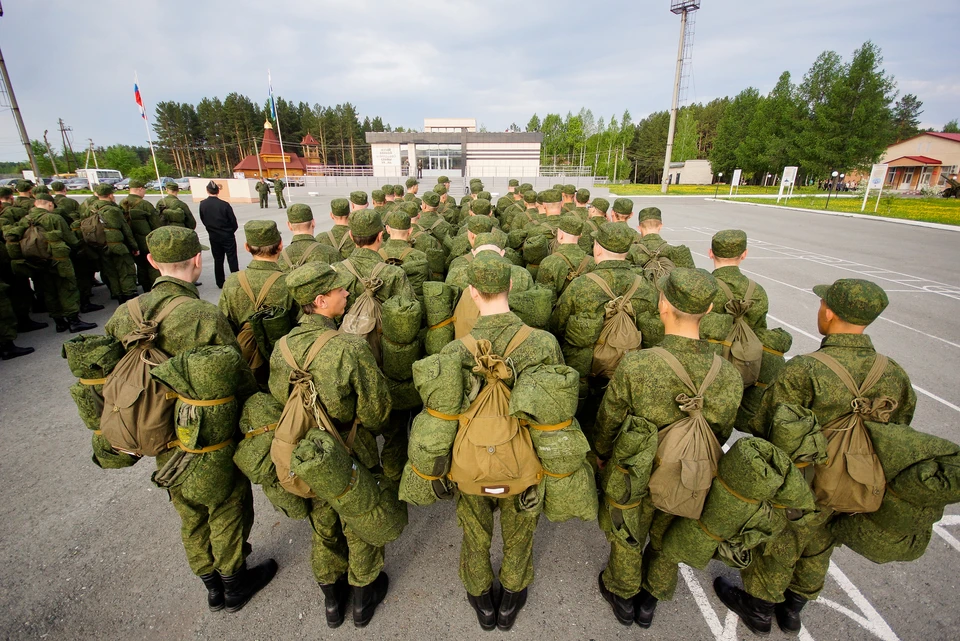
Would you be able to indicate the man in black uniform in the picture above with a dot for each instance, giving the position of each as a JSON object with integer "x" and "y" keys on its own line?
{"x": 221, "y": 223}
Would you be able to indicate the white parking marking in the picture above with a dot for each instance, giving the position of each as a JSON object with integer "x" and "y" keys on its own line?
{"x": 940, "y": 530}
{"x": 869, "y": 619}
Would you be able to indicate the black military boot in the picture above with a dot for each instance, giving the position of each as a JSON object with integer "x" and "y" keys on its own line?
{"x": 510, "y": 605}
{"x": 87, "y": 307}
{"x": 77, "y": 325}
{"x": 214, "y": 585}
{"x": 62, "y": 324}
{"x": 788, "y": 612}
{"x": 367, "y": 598}
{"x": 644, "y": 605}
{"x": 335, "y": 601}
{"x": 239, "y": 588}
{"x": 486, "y": 608}
{"x": 30, "y": 325}
{"x": 622, "y": 608}
{"x": 755, "y": 613}
{"x": 8, "y": 350}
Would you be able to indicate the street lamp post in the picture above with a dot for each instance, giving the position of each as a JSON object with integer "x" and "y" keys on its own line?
{"x": 717, "y": 190}
{"x": 832, "y": 186}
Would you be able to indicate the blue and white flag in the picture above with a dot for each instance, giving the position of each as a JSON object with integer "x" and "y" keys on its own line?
{"x": 273, "y": 104}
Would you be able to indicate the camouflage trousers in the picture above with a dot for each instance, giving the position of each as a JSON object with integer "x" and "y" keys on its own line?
{"x": 281, "y": 201}
{"x": 146, "y": 273}
{"x": 393, "y": 456}
{"x": 59, "y": 285}
{"x": 337, "y": 550}
{"x": 659, "y": 575}
{"x": 215, "y": 536}
{"x": 797, "y": 559}
{"x": 624, "y": 572}
{"x": 120, "y": 274}
{"x": 20, "y": 294}
{"x": 85, "y": 265}
{"x": 264, "y": 200}
{"x": 475, "y": 517}
{"x": 8, "y": 319}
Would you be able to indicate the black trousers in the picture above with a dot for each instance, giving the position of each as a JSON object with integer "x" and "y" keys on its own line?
{"x": 222, "y": 247}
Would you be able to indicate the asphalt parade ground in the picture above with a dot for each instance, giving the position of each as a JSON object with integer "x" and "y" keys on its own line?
{"x": 94, "y": 554}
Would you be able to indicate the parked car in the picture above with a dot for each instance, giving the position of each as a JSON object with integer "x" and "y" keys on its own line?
{"x": 8, "y": 182}
{"x": 156, "y": 186}
{"x": 122, "y": 185}
{"x": 183, "y": 183}
{"x": 75, "y": 184}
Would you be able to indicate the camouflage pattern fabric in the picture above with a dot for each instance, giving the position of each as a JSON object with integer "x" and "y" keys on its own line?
{"x": 394, "y": 279}
{"x": 176, "y": 212}
{"x": 57, "y": 278}
{"x": 556, "y": 267}
{"x": 278, "y": 186}
{"x": 143, "y": 219}
{"x": 8, "y": 319}
{"x": 679, "y": 254}
{"x": 413, "y": 263}
{"x": 338, "y": 232}
{"x": 237, "y": 306}
{"x": 116, "y": 260}
{"x": 756, "y": 316}
{"x": 321, "y": 253}
{"x": 263, "y": 190}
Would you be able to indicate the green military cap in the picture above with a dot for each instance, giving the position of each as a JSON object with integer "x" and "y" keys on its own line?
{"x": 44, "y": 196}
{"x": 24, "y": 185}
{"x": 398, "y": 190}
{"x": 171, "y": 244}
{"x": 261, "y": 233}
{"x": 513, "y": 182}
{"x": 475, "y": 180}
{"x": 558, "y": 187}
{"x": 569, "y": 190}
{"x": 615, "y": 237}
{"x": 416, "y": 200}
{"x": 489, "y": 238}
{"x": 105, "y": 189}
{"x": 854, "y": 300}
{"x": 411, "y": 181}
{"x": 398, "y": 220}
{"x": 172, "y": 186}
{"x": 728, "y": 243}
{"x": 313, "y": 279}
{"x": 365, "y": 222}
{"x": 5, "y": 192}
{"x": 623, "y": 206}
{"x": 439, "y": 189}
{"x": 479, "y": 224}
{"x": 602, "y": 204}
{"x": 408, "y": 197}
{"x": 340, "y": 207}
{"x": 432, "y": 199}
{"x": 485, "y": 195}
{"x": 410, "y": 208}
{"x": 135, "y": 183}
{"x": 387, "y": 189}
{"x": 489, "y": 274}
{"x": 689, "y": 290}
{"x": 378, "y": 196}
{"x": 583, "y": 195}
{"x": 550, "y": 196}
{"x": 650, "y": 213}
{"x": 299, "y": 213}
{"x": 442, "y": 179}
{"x": 358, "y": 197}
{"x": 530, "y": 196}
{"x": 571, "y": 224}
{"x": 41, "y": 189}
{"x": 480, "y": 207}
{"x": 525, "y": 187}
{"x": 56, "y": 185}
{"x": 476, "y": 188}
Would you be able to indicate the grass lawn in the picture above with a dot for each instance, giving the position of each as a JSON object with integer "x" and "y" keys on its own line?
{"x": 695, "y": 190}
{"x": 931, "y": 210}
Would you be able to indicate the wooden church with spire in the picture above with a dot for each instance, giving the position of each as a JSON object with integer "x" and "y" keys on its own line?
{"x": 269, "y": 162}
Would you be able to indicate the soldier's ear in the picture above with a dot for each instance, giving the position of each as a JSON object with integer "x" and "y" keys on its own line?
{"x": 744, "y": 254}
{"x": 152, "y": 262}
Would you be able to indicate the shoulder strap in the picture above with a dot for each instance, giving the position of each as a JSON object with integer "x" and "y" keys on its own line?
{"x": 133, "y": 306}
{"x": 682, "y": 374}
{"x": 725, "y": 289}
{"x": 245, "y": 286}
{"x": 435, "y": 223}
{"x": 873, "y": 376}
{"x": 602, "y": 283}
{"x": 522, "y": 334}
{"x": 262, "y": 298}
{"x": 751, "y": 287}
{"x": 583, "y": 264}
{"x": 348, "y": 265}
{"x": 333, "y": 239}
{"x": 383, "y": 253}
{"x": 312, "y": 354}
{"x": 470, "y": 343}
{"x": 343, "y": 240}
{"x": 643, "y": 248}
{"x": 405, "y": 253}
{"x": 306, "y": 254}
{"x": 286, "y": 257}
{"x": 633, "y": 288}
{"x": 565, "y": 259}
{"x": 379, "y": 267}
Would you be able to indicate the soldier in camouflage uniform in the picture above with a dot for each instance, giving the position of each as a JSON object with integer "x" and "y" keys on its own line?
{"x": 728, "y": 249}
{"x": 379, "y": 202}
{"x": 116, "y": 259}
{"x": 278, "y": 186}
{"x": 568, "y": 193}
{"x": 429, "y": 230}
{"x": 263, "y": 191}
{"x": 650, "y": 245}
{"x": 580, "y": 200}
{"x": 567, "y": 261}
{"x": 143, "y": 218}
{"x": 349, "y": 386}
{"x": 459, "y": 274}
{"x": 86, "y": 260}
{"x": 214, "y": 536}
{"x": 174, "y": 211}
{"x": 24, "y": 197}
{"x": 489, "y": 278}
{"x": 398, "y": 251}
{"x": 8, "y": 327}
{"x": 646, "y": 386}
{"x": 790, "y": 570}
{"x": 338, "y": 237}
{"x": 304, "y": 248}
{"x": 596, "y": 216}
{"x": 413, "y": 186}
{"x": 12, "y": 270}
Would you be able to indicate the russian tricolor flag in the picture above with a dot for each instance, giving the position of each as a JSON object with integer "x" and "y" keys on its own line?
{"x": 136, "y": 96}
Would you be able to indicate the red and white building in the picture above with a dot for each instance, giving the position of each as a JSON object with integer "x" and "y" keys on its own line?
{"x": 922, "y": 161}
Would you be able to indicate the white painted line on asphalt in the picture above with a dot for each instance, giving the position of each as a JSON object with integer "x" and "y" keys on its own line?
{"x": 920, "y": 332}
{"x": 727, "y": 631}
{"x": 870, "y": 620}
{"x": 940, "y": 530}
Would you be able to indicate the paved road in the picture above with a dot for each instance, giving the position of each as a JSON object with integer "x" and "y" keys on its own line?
{"x": 93, "y": 554}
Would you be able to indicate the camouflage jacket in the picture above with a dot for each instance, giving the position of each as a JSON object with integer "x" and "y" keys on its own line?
{"x": 590, "y": 225}
{"x": 644, "y": 385}
{"x": 237, "y": 307}
{"x": 262, "y": 188}
{"x": 335, "y": 238}
{"x": 349, "y": 383}
{"x": 756, "y": 317}
{"x": 142, "y": 217}
{"x": 412, "y": 261}
{"x": 50, "y": 222}
{"x": 809, "y": 383}
{"x": 118, "y": 232}
{"x": 679, "y": 254}
{"x": 430, "y": 222}
{"x": 174, "y": 211}
{"x": 278, "y": 185}
{"x": 292, "y": 254}
{"x": 85, "y": 206}
{"x": 555, "y": 268}
{"x": 394, "y": 279}
{"x": 520, "y": 279}
{"x": 67, "y": 206}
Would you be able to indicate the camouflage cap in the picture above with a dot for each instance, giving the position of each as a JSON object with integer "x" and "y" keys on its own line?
{"x": 105, "y": 189}
{"x": 136, "y": 183}
{"x": 398, "y": 190}
{"x": 340, "y": 207}
{"x": 489, "y": 274}
{"x": 358, "y": 197}
{"x": 398, "y": 220}
{"x": 172, "y": 186}
{"x": 614, "y": 237}
{"x": 5, "y": 192}
{"x": 411, "y": 181}
{"x": 570, "y": 224}
{"x": 378, "y": 196}
{"x": 854, "y": 300}
{"x": 409, "y": 197}
{"x": 583, "y": 196}
{"x": 56, "y": 185}
{"x": 558, "y": 187}
{"x": 387, "y": 190}
{"x": 623, "y": 206}
{"x": 24, "y": 186}
{"x": 550, "y": 196}
{"x": 513, "y": 182}
{"x": 417, "y": 201}
{"x": 476, "y": 188}
{"x": 485, "y": 195}
{"x": 299, "y": 213}
{"x": 365, "y": 223}
{"x": 489, "y": 238}
{"x": 530, "y": 196}
{"x": 44, "y": 197}
{"x": 475, "y": 180}
{"x": 171, "y": 244}
{"x": 525, "y": 187}
{"x": 569, "y": 190}
{"x": 439, "y": 190}
{"x": 442, "y": 179}
{"x": 728, "y": 243}
{"x": 40, "y": 189}
{"x": 650, "y": 213}
{"x": 689, "y": 290}
{"x": 410, "y": 208}
{"x": 261, "y": 233}
{"x": 432, "y": 199}
{"x": 479, "y": 224}
{"x": 602, "y": 204}
{"x": 313, "y": 279}
{"x": 480, "y": 207}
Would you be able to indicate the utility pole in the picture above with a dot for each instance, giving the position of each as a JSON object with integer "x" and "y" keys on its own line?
{"x": 682, "y": 7}
{"x": 15, "y": 108}
{"x": 66, "y": 144}
{"x": 53, "y": 160}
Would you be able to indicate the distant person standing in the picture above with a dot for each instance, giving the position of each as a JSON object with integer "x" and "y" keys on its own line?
{"x": 264, "y": 190}
{"x": 278, "y": 186}
{"x": 221, "y": 224}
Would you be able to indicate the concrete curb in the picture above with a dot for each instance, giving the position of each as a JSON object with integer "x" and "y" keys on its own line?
{"x": 882, "y": 219}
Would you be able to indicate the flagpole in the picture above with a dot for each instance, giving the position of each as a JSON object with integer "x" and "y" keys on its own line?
{"x": 146, "y": 124}
{"x": 276, "y": 117}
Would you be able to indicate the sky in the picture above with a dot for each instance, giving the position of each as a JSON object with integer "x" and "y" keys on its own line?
{"x": 493, "y": 60}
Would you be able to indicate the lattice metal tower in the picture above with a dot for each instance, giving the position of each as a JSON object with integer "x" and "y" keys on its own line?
{"x": 687, "y": 11}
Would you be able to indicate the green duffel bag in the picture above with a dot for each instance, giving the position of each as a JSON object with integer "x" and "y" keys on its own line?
{"x": 403, "y": 394}
{"x": 545, "y": 394}
{"x": 401, "y": 319}
{"x": 533, "y": 306}
{"x": 398, "y": 359}
{"x": 796, "y": 431}
{"x": 440, "y": 379}
{"x": 269, "y": 325}
{"x": 626, "y": 475}
{"x": 107, "y": 458}
{"x": 91, "y": 359}
{"x": 561, "y": 451}
{"x": 439, "y": 300}
{"x": 715, "y": 328}
{"x": 583, "y": 330}
{"x": 872, "y": 542}
{"x": 571, "y": 496}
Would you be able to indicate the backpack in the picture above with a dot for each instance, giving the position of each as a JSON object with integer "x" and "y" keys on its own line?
{"x": 466, "y": 313}
{"x": 493, "y": 454}
{"x": 33, "y": 243}
{"x": 303, "y": 257}
{"x": 302, "y": 413}
{"x": 852, "y": 479}
{"x": 655, "y": 266}
{"x": 249, "y": 347}
{"x": 742, "y": 347}
{"x": 93, "y": 231}
{"x": 333, "y": 240}
{"x": 574, "y": 271}
{"x": 687, "y": 449}
{"x": 396, "y": 262}
{"x": 137, "y": 414}
{"x": 363, "y": 319}
{"x": 619, "y": 334}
